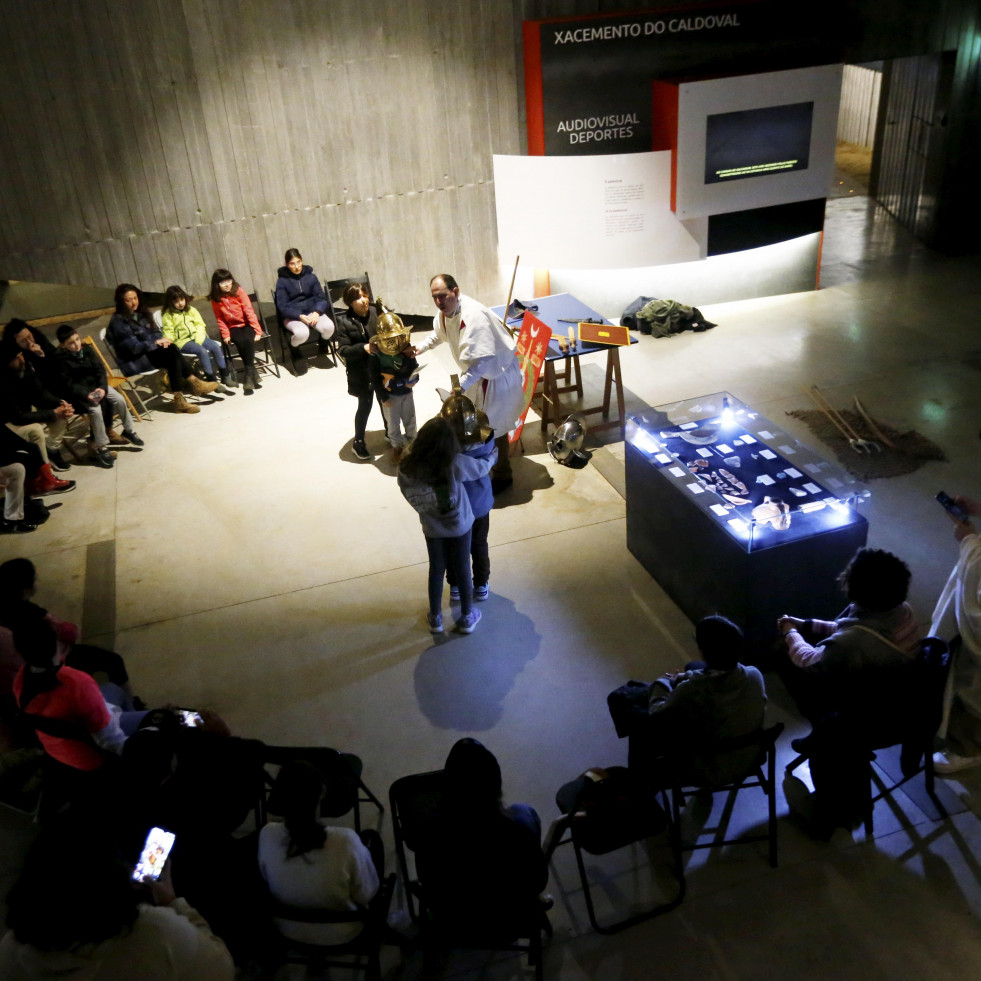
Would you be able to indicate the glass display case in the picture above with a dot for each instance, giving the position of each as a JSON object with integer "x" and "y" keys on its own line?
{"x": 730, "y": 514}
{"x": 755, "y": 480}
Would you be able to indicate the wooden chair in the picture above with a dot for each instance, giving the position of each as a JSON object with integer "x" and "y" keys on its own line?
{"x": 121, "y": 383}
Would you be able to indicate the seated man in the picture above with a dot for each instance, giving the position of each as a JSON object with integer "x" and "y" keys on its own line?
{"x": 29, "y": 409}
{"x": 83, "y": 378}
{"x": 715, "y": 699}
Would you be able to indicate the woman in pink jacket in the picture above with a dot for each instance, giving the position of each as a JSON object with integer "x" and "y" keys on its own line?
{"x": 237, "y": 323}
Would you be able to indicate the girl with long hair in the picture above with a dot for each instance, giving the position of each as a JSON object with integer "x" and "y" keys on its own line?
{"x": 237, "y": 323}
{"x": 308, "y": 864}
{"x": 431, "y": 476}
{"x": 304, "y": 306}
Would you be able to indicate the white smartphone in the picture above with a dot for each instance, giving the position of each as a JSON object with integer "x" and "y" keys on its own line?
{"x": 154, "y": 855}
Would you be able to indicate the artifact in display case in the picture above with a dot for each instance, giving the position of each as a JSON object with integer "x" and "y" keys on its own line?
{"x": 755, "y": 480}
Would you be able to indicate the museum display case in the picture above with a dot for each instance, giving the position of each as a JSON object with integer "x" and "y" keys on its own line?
{"x": 731, "y": 514}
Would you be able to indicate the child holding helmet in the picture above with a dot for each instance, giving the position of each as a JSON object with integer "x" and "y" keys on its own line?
{"x": 395, "y": 373}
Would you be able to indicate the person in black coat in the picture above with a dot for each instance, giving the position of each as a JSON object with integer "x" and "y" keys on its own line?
{"x": 356, "y": 327}
{"x": 38, "y": 351}
{"x": 28, "y": 408}
{"x": 83, "y": 379}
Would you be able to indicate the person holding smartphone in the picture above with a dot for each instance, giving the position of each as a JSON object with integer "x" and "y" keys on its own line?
{"x": 105, "y": 927}
{"x": 957, "y": 619}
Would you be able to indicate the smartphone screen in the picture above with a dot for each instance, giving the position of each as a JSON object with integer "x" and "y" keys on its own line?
{"x": 190, "y": 718}
{"x": 154, "y": 855}
{"x": 952, "y": 508}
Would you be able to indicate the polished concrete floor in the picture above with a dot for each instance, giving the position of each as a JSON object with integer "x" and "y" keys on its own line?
{"x": 247, "y": 561}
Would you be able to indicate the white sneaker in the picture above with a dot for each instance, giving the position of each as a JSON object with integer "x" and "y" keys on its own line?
{"x": 952, "y": 763}
{"x": 467, "y": 623}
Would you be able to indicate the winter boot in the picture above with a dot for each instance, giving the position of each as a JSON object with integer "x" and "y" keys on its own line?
{"x": 182, "y": 405}
{"x": 199, "y": 387}
{"x": 254, "y": 371}
{"x": 228, "y": 378}
{"x": 248, "y": 387}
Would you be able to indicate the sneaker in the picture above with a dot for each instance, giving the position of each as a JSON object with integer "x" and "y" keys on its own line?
{"x": 102, "y": 458}
{"x": 57, "y": 461}
{"x": 435, "y": 621}
{"x": 455, "y": 593}
{"x": 13, "y": 527}
{"x": 951, "y": 762}
{"x": 467, "y": 623}
{"x": 58, "y": 487}
{"x": 480, "y": 593}
{"x": 131, "y": 437}
{"x": 361, "y": 450}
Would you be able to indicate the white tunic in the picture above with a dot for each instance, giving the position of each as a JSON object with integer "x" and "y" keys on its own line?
{"x": 484, "y": 352}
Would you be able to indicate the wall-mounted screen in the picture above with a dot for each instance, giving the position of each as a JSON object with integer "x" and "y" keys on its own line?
{"x": 753, "y": 142}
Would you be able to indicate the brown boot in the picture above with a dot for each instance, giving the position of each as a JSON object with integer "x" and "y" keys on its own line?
{"x": 182, "y": 405}
{"x": 116, "y": 440}
{"x": 199, "y": 387}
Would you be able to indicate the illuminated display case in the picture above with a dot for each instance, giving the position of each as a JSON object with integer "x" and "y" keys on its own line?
{"x": 731, "y": 514}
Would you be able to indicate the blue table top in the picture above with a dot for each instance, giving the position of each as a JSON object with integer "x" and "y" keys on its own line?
{"x": 552, "y": 310}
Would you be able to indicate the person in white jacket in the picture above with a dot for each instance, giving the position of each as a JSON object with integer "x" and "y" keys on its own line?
{"x": 957, "y": 619}
{"x": 490, "y": 374}
{"x": 75, "y": 914}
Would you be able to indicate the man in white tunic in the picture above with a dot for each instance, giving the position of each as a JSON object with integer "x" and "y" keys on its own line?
{"x": 490, "y": 374}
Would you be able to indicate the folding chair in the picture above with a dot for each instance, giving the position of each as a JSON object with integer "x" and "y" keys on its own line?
{"x": 887, "y": 707}
{"x": 760, "y": 747}
{"x": 265, "y": 360}
{"x": 124, "y": 384}
{"x": 632, "y": 813}
{"x": 346, "y": 791}
{"x": 363, "y": 953}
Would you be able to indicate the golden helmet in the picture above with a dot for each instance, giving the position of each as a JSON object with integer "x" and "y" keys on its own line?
{"x": 391, "y": 333}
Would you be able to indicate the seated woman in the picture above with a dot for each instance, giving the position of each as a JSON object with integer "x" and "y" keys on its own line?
{"x": 876, "y": 629}
{"x": 356, "y": 326}
{"x": 480, "y": 863}
{"x": 307, "y": 864}
{"x": 184, "y": 325}
{"x": 140, "y": 347}
{"x": 237, "y": 323}
{"x": 77, "y": 722}
{"x": 304, "y": 306}
{"x": 74, "y": 912}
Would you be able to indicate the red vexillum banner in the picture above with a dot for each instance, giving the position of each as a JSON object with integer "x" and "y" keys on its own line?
{"x": 531, "y": 349}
